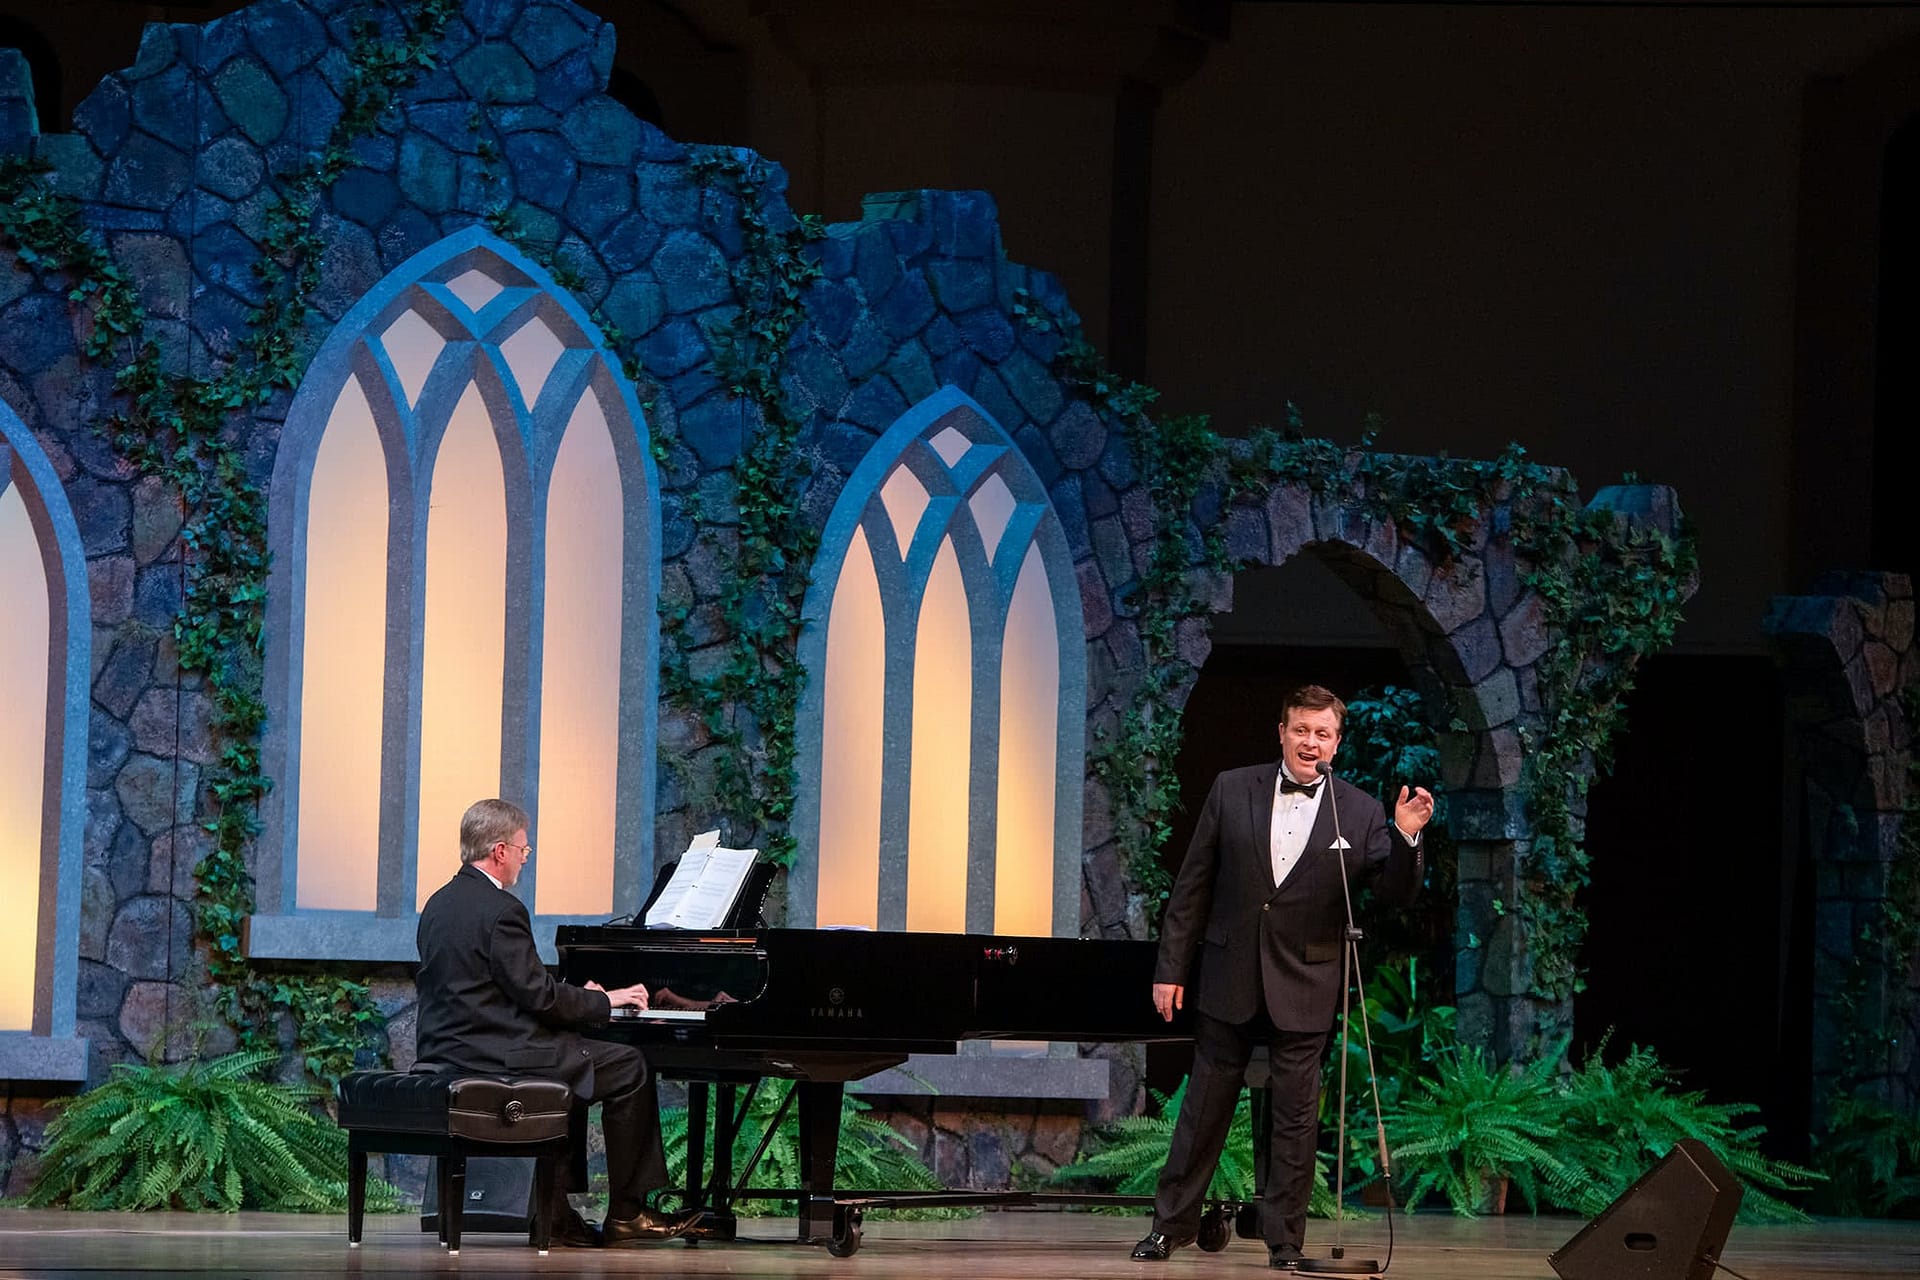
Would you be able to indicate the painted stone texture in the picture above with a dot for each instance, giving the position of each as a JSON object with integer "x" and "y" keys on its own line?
{"x": 173, "y": 161}
{"x": 1850, "y": 670}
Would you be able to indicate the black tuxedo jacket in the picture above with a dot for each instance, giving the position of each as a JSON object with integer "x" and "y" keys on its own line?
{"x": 1231, "y": 938}
{"x": 487, "y": 1002}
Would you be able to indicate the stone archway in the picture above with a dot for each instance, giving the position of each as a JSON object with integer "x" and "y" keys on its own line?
{"x": 1473, "y": 634}
{"x": 1850, "y": 659}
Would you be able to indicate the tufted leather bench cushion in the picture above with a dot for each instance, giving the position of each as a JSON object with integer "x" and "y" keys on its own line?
{"x": 496, "y": 1109}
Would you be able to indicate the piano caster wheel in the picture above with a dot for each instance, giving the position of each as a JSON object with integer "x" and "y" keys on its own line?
{"x": 1246, "y": 1222}
{"x": 1214, "y": 1231}
{"x": 845, "y": 1240}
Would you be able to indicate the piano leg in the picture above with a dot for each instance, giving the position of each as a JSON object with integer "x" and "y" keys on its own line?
{"x": 819, "y": 1149}
{"x": 696, "y": 1143}
{"x": 724, "y": 1134}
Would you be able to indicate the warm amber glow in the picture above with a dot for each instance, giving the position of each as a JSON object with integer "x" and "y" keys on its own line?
{"x": 25, "y": 654}
{"x": 852, "y": 757}
{"x": 580, "y": 671}
{"x": 1029, "y": 710}
{"x": 412, "y": 345}
{"x": 344, "y": 662}
{"x": 463, "y": 658}
{"x": 531, "y": 353}
{"x": 942, "y": 730}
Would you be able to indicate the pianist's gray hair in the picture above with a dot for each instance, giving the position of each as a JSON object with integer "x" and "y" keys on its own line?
{"x": 487, "y": 823}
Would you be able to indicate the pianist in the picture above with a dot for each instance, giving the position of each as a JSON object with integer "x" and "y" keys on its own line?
{"x": 488, "y": 1004}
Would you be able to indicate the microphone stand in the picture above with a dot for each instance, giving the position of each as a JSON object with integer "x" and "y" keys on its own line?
{"x": 1338, "y": 1263}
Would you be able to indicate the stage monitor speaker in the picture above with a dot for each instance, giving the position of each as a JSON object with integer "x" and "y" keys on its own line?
{"x": 1670, "y": 1225}
{"x": 499, "y": 1196}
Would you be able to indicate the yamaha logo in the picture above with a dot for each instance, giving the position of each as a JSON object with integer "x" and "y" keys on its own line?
{"x": 836, "y": 1006}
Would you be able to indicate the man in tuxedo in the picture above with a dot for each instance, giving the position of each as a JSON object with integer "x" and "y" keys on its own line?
{"x": 488, "y": 1004}
{"x": 1254, "y": 927}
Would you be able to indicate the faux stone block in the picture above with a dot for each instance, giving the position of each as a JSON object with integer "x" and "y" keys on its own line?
{"x": 250, "y": 94}
{"x": 493, "y": 73}
{"x": 692, "y": 271}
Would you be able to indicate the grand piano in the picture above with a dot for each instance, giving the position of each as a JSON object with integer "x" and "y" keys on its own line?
{"x": 822, "y": 1007}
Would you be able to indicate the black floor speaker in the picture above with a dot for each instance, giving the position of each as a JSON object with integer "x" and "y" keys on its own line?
{"x": 1670, "y": 1225}
{"x": 499, "y": 1196}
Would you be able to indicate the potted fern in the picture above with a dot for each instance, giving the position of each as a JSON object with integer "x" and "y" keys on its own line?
{"x": 199, "y": 1136}
{"x": 1470, "y": 1130}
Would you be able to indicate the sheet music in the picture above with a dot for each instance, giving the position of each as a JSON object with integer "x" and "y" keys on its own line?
{"x": 627, "y": 1013}
{"x": 703, "y": 887}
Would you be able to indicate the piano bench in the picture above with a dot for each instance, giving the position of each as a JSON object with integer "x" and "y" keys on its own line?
{"x": 451, "y": 1116}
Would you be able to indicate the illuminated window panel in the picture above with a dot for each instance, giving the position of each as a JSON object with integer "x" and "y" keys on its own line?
{"x": 905, "y": 499}
{"x": 487, "y": 586}
{"x": 345, "y": 662}
{"x": 992, "y": 505}
{"x": 474, "y": 288}
{"x": 942, "y": 723}
{"x": 580, "y": 676}
{"x": 1029, "y": 725}
{"x": 464, "y": 651}
{"x": 25, "y": 654}
{"x": 900, "y": 742}
{"x": 412, "y": 345}
{"x": 531, "y": 353}
{"x": 855, "y": 682}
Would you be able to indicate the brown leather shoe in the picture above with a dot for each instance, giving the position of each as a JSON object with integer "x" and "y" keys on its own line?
{"x": 647, "y": 1226}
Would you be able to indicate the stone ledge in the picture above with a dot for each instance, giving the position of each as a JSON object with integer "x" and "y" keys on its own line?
{"x": 24, "y": 1056}
{"x": 333, "y": 935}
{"x": 968, "y": 1075}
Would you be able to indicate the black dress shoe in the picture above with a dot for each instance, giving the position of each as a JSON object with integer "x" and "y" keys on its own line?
{"x": 1157, "y": 1246}
{"x": 571, "y": 1231}
{"x": 1284, "y": 1257}
{"x": 647, "y": 1226}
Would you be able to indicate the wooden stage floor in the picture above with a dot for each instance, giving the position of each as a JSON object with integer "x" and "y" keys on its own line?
{"x": 992, "y": 1246}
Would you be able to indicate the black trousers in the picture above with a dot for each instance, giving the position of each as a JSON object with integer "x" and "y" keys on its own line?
{"x": 630, "y": 1118}
{"x": 1221, "y": 1051}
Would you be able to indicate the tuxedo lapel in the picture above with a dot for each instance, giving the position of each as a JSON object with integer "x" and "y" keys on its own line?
{"x": 1260, "y": 806}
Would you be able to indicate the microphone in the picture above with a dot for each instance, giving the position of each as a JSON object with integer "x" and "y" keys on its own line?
{"x": 1324, "y": 768}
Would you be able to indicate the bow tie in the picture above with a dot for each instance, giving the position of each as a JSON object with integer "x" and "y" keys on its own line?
{"x": 1289, "y": 787}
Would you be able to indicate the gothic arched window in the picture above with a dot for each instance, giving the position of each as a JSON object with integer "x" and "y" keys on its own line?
{"x": 45, "y": 657}
{"x": 464, "y": 520}
{"x": 943, "y": 729}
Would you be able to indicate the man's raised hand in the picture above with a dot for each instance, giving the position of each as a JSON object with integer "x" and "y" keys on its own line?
{"x": 1413, "y": 811}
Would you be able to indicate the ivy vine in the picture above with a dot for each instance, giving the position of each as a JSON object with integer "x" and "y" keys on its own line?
{"x": 1610, "y": 594}
{"x": 1876, "y": 1000}
{"x": 743, "y": 686}
{"x": 180, "y": 428}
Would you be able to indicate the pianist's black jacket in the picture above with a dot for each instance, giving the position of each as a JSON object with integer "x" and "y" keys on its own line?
{"x": 1248, "y": 939}
{"x": 487, "y": 1002}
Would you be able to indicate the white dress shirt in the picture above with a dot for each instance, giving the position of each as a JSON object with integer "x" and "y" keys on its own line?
{"x": 489, "y": 875}
{"x": 1293, "y": 818}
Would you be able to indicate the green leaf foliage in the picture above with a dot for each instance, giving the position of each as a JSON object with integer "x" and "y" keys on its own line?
{"x": 202, "y": 1136}
{"x": 1571, "y": 1140}
{"x": 871, "y": 1156}
{"x": 1133, "y": 1148}
{"x": 1870, "y": 1154}
{"x": 191, "y": 431}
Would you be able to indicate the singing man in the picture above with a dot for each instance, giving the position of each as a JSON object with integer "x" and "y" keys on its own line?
{"x": 1254, "y": 927}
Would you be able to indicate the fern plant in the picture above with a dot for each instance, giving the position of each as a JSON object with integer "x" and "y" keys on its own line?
{"x": 1871, "y": 1156}
{"x": 1133, "y": 1149}
{"x": 871, "y": 1155}
{"x": 1622, "y": 1119}
{"x": 201, "y": 1136}
{"x": 1471, "y": 1123}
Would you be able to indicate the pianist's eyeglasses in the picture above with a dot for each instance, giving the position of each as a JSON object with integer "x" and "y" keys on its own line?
{"x": 508, "y": 844}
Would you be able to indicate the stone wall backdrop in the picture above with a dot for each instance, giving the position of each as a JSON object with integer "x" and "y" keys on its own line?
{"x": 173, "y": 161}
{"x": 1852, "y": 671}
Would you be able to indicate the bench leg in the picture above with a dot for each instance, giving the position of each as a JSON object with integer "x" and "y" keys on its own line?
{"x": 543, "y": 1203}
{"x": 440, "y": 1196}
{"x": 356, "y": 1189}
{"x": 456, "y": 1200}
